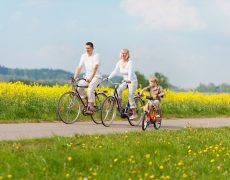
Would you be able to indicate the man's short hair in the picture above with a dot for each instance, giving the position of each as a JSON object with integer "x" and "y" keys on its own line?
{"x": 89, "y": 44}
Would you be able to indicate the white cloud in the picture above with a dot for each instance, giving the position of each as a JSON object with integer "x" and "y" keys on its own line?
{"x": 169, "y": 14}
{"x": 224, "y": 6}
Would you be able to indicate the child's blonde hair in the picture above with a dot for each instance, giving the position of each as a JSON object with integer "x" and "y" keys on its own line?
{"x": 153, "y": 78}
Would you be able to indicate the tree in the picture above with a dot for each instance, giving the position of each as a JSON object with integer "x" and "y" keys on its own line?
{"x": 142, "y": 81}
{"x": 224, "y": 87}
{"x": 202, "y": 88}
{"x": 211, "y": 87}
{"x": 162, "y": 80}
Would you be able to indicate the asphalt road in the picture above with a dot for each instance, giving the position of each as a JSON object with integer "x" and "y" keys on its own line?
{"x": 39, "y": 130}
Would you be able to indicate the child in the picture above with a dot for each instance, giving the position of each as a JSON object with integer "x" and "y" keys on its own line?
{"x": 155, "y": 91}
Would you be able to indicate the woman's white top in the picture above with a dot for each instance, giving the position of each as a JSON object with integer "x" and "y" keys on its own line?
{"x": 127, "y": 72}
{"x": 89, "y": 62}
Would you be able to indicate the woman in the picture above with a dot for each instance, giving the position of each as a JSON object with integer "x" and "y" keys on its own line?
{"x": 125, "y": 67}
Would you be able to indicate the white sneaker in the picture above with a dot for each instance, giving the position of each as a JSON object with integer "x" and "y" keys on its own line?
{"x": 133, "y": 117}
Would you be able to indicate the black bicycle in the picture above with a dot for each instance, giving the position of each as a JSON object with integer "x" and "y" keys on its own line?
{"x": 71, "y": 105}
{"x": 111, "y": 104}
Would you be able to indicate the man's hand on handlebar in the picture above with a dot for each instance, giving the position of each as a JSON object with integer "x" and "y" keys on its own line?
{"x": 88, "y": 80}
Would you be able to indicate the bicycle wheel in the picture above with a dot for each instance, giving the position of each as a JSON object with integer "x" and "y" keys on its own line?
{"x": 99, "y": 99}
{"x": 139, "y": 110}
{"x": 69, "y": 108}
{"x": 108, "y": 111}
{"x": 144, "y": 121}
{"x": 157, "y": 122}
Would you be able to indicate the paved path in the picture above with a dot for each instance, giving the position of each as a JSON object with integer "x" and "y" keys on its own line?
{"x": 38, "y": 130}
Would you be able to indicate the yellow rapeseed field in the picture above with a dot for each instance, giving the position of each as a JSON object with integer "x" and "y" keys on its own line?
{"x": 20, "y": 101}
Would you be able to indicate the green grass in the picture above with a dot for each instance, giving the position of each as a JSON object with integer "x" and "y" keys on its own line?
{"x": 188, "y": 153}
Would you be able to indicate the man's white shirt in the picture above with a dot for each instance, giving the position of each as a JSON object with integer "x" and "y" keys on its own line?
{"x": 89, "y": 62}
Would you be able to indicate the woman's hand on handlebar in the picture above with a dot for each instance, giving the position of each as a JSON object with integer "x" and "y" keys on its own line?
{"x": 105, "y": 79}
{"x": 127, "y": 81}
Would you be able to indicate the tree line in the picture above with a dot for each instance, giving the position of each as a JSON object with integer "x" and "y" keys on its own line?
{"x": 51, "y": 77}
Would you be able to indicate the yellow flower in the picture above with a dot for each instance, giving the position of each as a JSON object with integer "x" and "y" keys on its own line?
{"x": 67, "y": 175}
{"x": 151, "y": 176}
{"x": 9, "y": 176}
{"x": 212, "y": 160}
{"x": 184, "y": 175}
{"x": 161, "y": 167}
{"x": 147, "y": 156}
{"x": 94, "y": 174}
{"x": 165, "y": 177}
{"x": 69, "y": 158}
{"x": 205, "y": 150}
{"x": 150, "y": 163}
{"x": 180, "y": 163}
{"x": 17, "y": 146}
{"x": 115, "y": 160}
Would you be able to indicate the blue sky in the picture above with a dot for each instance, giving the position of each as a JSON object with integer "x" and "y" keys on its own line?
{"x": 188, "y": 41}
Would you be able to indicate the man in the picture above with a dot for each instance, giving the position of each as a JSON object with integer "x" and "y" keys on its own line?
{"x": 91, "y": 62}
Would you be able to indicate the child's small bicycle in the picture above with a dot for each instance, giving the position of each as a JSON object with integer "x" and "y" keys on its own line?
{"x": 151, "y": 115}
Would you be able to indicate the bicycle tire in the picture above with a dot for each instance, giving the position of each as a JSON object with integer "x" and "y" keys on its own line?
{"x": 108, "y": 111}
{"x": 97, "y": 107}
{"x": 139, "y": 109}
{"x": 70, "y": 103}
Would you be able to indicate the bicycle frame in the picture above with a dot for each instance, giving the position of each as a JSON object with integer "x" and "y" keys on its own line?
{"x": 119, "y": 104}
{"x": 115, "y": 94}
{"x": 150, "y": 116}
{"x": 75, "y": 89}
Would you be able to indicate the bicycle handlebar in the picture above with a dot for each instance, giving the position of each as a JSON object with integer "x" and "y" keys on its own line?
{"x": 73, "y": 81}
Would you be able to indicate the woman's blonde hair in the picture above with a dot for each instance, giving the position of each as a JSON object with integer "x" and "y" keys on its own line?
{"x": 127, "y": 51}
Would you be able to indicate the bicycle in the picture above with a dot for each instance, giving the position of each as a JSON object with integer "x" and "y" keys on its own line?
{"x": 71, "y": 105}
{"x": 111, "y": 104}
{"x": 149, "y": 115}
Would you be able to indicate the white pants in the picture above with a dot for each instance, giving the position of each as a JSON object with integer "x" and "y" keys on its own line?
{"x": 132, "y": 88}
{"x": 91, "y": 88}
